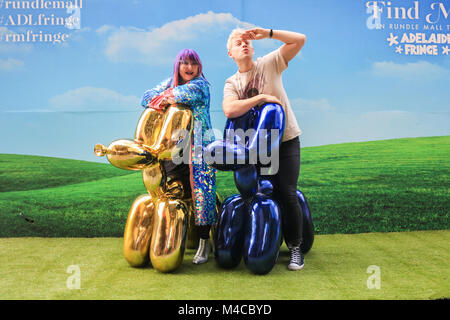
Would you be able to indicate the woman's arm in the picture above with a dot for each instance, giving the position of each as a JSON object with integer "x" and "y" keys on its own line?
{"x": 150, "y": 94}
{"x": 189, "y": 93}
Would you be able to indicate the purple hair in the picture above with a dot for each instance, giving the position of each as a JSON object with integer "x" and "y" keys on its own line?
{"x": 186, "y": 54}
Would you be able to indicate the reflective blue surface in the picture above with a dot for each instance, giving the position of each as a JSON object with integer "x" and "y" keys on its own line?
{"x": 249, "y": 224}
{"x": 226, "y": 155}
{"x": 246, "y": 180}
{"x": 265, "y": 187}
{"x": 270, "y": 128}
{"x": 308, "y": 227}
{"x": 262, "y": 235}
{"x": 269, "y": 117}
{"x": 229, "y": 233}
{"x": 248, "y": 138}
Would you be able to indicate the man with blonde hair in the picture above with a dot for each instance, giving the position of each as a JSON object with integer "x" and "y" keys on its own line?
{"x": 259, "y": 81}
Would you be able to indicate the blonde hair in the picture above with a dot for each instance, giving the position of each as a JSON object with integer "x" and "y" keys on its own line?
{"x": 235, "y": 33}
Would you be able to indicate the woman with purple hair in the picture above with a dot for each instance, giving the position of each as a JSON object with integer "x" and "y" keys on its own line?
{"x": 188, "y": 86}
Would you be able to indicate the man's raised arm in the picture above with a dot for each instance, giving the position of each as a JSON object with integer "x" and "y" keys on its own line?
{"x": 293, "y": 41}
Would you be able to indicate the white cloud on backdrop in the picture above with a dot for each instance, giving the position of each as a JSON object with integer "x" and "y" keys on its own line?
{"x": 322, "y": 123}
{"x": 90, "y": 99}
{"x": 423, "y": 70}
{"x": 10, "y": 64}
{"x": 312, "y": 105}
{"x": 156, "y": 45}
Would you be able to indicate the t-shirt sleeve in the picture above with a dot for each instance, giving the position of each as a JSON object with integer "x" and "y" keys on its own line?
{"x": 230, "y": 89}
{"x": 276, "y": 60}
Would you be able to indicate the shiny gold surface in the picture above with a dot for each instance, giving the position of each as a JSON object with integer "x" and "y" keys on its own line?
{"x": 174, "y": 189}
{"x": 149, "y": 127}
{"x": 160, "y": 132}
{"x": 169, "y": 234}
{"x": 193, "y": 236}
{"x": 157, "y": 222}
{"x": 138, "y": 231}
{"x": 125, "y": 154}
{"x": 100, "y": 150}
{"x": 153, "y": 177}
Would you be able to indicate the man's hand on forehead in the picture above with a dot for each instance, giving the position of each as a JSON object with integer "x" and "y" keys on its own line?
{"x": 248, "y": 35}
{"x": 255, "y": 34}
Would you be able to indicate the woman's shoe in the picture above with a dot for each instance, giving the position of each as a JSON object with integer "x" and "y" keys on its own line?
{"x": 202, "y": 253}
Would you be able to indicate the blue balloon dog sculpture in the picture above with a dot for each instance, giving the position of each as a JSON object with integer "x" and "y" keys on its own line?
{"x": 250, "y": 223}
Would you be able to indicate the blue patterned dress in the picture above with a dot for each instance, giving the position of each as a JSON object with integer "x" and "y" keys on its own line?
{"x": 195, "y": 94}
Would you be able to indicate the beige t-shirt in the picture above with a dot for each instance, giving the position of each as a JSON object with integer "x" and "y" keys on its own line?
{"x": 265, "y": 77}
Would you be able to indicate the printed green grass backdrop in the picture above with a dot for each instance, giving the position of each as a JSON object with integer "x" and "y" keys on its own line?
{"x": 380, "y": 186}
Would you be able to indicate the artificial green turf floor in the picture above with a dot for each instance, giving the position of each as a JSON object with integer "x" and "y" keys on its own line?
{"x": 413, "y": 265}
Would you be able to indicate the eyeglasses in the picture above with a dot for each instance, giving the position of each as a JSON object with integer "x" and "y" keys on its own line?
{"x": 186, "y": 62}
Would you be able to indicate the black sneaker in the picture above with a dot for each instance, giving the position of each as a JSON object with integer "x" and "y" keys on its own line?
{"x": 297, "y": 261}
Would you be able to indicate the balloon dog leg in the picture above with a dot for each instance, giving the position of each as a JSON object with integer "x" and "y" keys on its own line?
{"x": 308, "y": 227}
{"x": 138, "y": 231}
{"x": 169, "y": 234}
{"x": 229, "y": 232}
{"x": 262, "y": 236}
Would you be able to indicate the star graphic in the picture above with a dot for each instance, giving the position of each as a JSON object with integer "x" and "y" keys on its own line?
{"x": 392, "y": 40}
{"x": 445, "y": 50}
{"x": 399, "y": 49}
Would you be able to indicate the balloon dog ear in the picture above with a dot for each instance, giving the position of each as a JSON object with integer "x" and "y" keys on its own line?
{"x": 160, "y": 132}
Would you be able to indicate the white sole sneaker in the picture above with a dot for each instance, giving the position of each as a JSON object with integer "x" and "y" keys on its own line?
{"x": 200, "y": 260}
{"x": 295, "y": 267}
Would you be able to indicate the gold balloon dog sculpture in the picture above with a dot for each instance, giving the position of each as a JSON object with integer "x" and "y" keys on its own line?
{"x": 157, "y": 225}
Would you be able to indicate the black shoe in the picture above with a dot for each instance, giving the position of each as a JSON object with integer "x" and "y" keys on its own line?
{"x": 297, "y": 261}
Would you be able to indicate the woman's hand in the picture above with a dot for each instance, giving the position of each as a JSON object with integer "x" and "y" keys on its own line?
{"x": 256, "y": 34}
{"x": 168, "y": 97}
{"x": 167, "y": 101}
{"x": 163, "y": 100}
